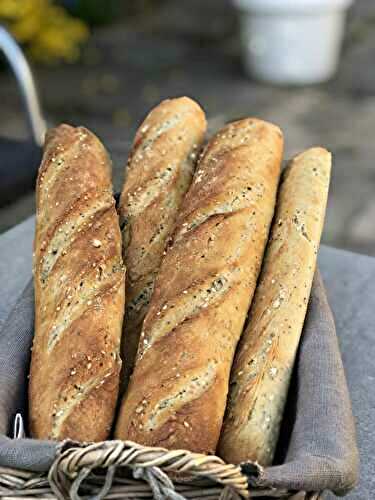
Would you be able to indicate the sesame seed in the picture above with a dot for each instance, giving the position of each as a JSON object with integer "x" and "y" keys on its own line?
{"x": 96, "y": 243}
{"x": 273, "y": 371}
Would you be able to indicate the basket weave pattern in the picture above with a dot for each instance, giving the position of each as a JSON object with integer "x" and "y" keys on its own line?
{"x": 123, "y": 469}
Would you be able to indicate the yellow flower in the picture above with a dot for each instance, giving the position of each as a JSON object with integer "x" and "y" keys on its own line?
{"x": 49, "y": 32}
{"x": 13, "y": 9}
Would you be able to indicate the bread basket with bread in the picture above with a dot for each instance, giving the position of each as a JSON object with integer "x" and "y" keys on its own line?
{"x": 183, "y": 346}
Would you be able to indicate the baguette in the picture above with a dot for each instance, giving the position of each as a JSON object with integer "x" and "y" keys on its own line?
{"x": 177, "y": 394}
{"x": 79, "y": 291}
{"x": 159, "y": 172}
{"x": 265, "y": 356}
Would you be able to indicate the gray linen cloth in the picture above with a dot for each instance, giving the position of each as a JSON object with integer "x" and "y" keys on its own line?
{"x": 317, "y": 449}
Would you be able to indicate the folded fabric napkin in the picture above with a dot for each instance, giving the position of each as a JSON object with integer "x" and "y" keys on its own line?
{"x": 317, "y": 449}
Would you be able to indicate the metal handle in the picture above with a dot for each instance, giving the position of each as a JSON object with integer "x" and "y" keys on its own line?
{"x": 25, "y": 80}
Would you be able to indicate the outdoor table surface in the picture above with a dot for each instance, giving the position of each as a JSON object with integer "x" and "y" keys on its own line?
{"x": 350, "y": 282}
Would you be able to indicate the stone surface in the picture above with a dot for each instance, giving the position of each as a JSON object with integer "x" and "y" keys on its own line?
{"x": 193, "y": 49}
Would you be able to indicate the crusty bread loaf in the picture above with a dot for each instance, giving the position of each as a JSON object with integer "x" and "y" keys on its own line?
{"x": 177, "y": 395}
{"x": 159, "y": 172}
{"x": 265, "y": 355}
{"x": 79, "y": 291}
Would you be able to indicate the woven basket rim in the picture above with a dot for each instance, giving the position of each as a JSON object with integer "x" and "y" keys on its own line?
{"x": 99, "y": 469}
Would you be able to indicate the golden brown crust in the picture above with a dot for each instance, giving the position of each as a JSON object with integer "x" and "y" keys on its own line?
{"x": 177, "y": 394}
{"x": 265, "y": 356}
{"x": 79, "y": 291}
{"x": 159, "y": 172}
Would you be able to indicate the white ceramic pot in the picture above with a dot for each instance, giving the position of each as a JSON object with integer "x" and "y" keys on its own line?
{"x": 294, "y": 42}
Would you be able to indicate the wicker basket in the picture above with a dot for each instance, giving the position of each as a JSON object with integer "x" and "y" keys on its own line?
{"x": 122, "y": 469}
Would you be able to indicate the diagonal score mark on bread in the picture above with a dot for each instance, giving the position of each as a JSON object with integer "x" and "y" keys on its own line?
{"x": 60, "y": 159}
{"x": 150, "y": 135}
{"x": 83, "y": 296}
{"x": 144, "y": 196}
{"x": 202, "y": 295}
{"x": 190, "y": 387}
{"x": 68, "y": 405}
{"x": 57, "y": 162}
{"x": 67, "y": 227}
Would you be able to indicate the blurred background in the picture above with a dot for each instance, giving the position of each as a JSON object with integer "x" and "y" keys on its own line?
{"x": 104, "y": 63}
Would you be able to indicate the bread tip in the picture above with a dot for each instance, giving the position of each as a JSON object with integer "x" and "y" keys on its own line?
{"x": 317, "y": 156}
{"x": 62, "y": 127}
{"x": 252, "y": 120}
{"x": 315, "y": 152}
{"x": 185, "y": 101}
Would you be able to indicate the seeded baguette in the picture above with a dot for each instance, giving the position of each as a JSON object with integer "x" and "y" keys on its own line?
{"x": 264, "y": 359}
{"x": 177, "y": 394}
{"x": 159, "y": 172}
{"x": 79, "y": 291}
